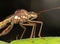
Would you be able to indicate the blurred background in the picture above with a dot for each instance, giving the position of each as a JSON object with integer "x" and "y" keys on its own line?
{"x": 51, "y": 18}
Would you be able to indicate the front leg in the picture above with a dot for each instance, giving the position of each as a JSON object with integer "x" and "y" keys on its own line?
{"x": 39, "y": 34}
{"x": 34, "y": 27}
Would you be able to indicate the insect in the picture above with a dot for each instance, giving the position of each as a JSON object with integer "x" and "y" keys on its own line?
{"x": 23, "y": 18}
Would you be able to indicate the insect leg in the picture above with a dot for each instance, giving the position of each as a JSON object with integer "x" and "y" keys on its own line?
{"x": 23, "y": 31}
{"x": 30, "y": 24}
{"x": 40, "y": 26}
{"x": 34, "y": 30}
{"x": 39, "y": 34}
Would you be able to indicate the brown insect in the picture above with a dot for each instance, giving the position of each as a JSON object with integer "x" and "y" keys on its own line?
{"x": 23, "y": 18}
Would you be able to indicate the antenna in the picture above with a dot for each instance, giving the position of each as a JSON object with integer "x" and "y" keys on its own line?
{"x": 39, "y": 12}
{"x": 48, "y": 10}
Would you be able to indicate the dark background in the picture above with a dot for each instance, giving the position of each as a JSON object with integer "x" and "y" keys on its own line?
{"x": 51, "y": 19}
